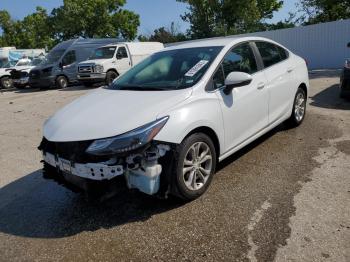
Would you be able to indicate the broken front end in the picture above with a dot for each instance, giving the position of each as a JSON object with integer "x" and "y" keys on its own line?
{"x": 94, "y": 166}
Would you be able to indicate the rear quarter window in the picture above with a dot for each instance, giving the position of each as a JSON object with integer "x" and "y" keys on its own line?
{"x": 271, "y": 54}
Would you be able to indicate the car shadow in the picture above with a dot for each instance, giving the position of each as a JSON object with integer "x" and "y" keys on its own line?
{"x": 36, "y": 208}
{"x": 329, "y": 98}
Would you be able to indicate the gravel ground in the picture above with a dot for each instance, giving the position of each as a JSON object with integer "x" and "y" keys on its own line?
{"x": 286, "y": 197}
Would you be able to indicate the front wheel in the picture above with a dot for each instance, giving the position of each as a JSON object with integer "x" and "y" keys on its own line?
{"x": 6, "y": 82}
{"x": 299, "y": 109}
{"x": 61, "y": 82}
{"x": 194, "y": 166}
{"x": 110, "y": 76}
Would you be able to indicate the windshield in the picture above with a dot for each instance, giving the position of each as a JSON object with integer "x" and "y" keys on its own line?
{"x": 54, "y": 56}
{"x": 9, "y": 64}
{"x": 103, "y": 53}
{"x": 36, "y": 61}
{"x": 168, "y": 70}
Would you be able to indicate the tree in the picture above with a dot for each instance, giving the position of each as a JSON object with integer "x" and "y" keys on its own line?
{"x": 320, "y": 11}
{"x": 217, "y": 17}
{"x": 76, "y": 18}
{"x": 164, "y": 35}
{"x": 94, "y": 18}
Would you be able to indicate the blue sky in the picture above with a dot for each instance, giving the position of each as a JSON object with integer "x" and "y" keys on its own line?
{"x": 154, "y": 13}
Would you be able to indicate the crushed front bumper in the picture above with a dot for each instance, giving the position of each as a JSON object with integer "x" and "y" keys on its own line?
{"x": 69, "y": 165}
{"x": 22, "y": 82}
{"x": 93, "y": 171}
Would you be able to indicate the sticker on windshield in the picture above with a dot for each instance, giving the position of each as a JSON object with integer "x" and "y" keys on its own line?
{"x": 194, "y": 70}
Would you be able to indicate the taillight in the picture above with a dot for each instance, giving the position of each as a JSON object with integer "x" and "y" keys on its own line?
{"x": 347, "y": 63}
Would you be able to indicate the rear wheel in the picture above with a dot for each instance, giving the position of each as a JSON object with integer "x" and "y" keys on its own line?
{"x": 6, "y": 82}
{"x": 299, "y": 109}
{"x": 61, "y": 82}
{"x": 110, "y": 76}
{"x": 194, "y": 166}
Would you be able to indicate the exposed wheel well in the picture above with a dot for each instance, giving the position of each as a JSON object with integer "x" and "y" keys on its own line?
{"x": 211, "y": 133}
{"x": 63, "y": 76}
{"x": 303, "y": 86}
{"x": 112, "y": 70}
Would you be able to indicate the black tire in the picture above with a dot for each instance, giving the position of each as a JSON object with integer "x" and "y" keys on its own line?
{"x": 110, "y": 76}
{"x": 61, "y": 82}
{"x": 178, "y": 184}
{"x": 6, "y": 82}
{"x": 296, "y": 118}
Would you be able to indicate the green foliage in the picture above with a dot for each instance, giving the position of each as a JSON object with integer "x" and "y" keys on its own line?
{"x": 320, "y": 11}
{"x": 210, "y": 18}
{"x": 75, "y": 18}
{"x": 94, "y": 18}
{"x": 164, "y": 35}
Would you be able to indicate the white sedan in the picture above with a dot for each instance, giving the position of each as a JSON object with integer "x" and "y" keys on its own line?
{"x": 166, "y": 123}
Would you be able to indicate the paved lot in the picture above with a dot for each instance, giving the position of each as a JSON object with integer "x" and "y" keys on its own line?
{"x": 284, "y": 198}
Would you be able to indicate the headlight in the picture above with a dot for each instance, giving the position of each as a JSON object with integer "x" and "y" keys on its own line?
{"x": 128, "y": 141}
{"x": 99, "y": 69}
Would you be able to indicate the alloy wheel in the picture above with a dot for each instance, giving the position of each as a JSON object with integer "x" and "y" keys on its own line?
{"x": 299, "y": 107}
{"x": 197, "y": 166}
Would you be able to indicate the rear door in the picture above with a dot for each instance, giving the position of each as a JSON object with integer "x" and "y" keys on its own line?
{"x": 278, "y": 72}
{"x": 123, "y": 63}
{"x": 245, "y": 110}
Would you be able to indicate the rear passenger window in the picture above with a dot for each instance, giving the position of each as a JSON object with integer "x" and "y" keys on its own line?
{"x": 271, "y": 54}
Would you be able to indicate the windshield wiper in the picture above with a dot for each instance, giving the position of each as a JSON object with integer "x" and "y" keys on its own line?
{"x": 142, "y": 88}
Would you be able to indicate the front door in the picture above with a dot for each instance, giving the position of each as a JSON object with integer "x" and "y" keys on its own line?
{"x": 123, "y": 63}
{"x": 69, "y": 65}
{"x": 245, "y": 110}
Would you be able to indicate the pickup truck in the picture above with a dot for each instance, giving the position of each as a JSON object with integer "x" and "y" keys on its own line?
{"x": 109, "y": 62}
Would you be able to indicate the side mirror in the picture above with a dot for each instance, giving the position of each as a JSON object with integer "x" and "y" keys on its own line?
{"x": 236, "y": 79}
{"x": 349, "y": 44}
{"x": 60, "y": 65}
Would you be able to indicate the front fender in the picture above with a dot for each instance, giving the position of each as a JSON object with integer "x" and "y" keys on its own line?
{"x": 189, "y": 115}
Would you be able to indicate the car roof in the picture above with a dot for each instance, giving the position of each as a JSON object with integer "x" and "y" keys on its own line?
{"x": 216, "y": 41}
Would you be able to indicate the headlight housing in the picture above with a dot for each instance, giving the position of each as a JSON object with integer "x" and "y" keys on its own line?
{"x": 98, "y": 68}
{"x": 127, "y": 142}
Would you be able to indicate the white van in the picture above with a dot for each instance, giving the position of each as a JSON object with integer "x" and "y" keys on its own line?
{"x": 110, "y": 61}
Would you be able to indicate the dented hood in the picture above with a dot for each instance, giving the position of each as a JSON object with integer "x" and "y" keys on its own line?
{"x": 106, "y": 113}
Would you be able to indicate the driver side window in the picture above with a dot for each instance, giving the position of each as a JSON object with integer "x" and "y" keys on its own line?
{"x": 69, "y": 58}
{"x": 240, "y": 59}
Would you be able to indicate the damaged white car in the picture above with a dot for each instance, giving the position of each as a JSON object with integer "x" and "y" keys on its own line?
{"x": 165, "y": 123}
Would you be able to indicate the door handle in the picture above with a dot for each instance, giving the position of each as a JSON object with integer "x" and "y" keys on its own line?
{"x": 261, "y": 86}
{"x": 290, "y": 70}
